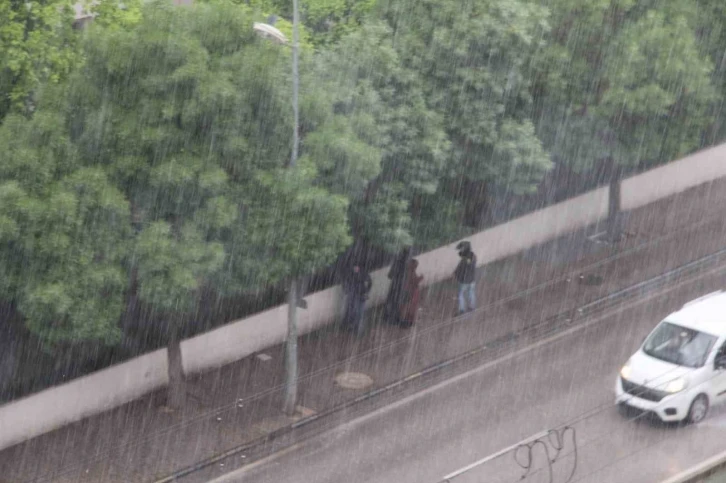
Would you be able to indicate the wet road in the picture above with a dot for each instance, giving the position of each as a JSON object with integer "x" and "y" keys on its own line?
{"x": 564, "y": 381}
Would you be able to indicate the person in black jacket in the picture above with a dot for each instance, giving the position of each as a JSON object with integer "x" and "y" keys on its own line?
{"x": 397, "y": 276}
{"x": 356, "y": 285}
{"x": 465, "y": 274}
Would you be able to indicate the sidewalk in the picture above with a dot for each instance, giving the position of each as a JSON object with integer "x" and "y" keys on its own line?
{"x": 240, "y": 402}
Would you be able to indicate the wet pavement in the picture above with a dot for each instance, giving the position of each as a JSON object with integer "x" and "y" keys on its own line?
{"x": 240, "y": 402}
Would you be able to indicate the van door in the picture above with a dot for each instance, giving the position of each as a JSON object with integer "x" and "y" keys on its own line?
{"x": 718, "y": 381}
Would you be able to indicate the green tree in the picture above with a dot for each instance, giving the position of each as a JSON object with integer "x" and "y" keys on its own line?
{"x": 472, "y": 60}
{"x": 710, "y": 32}
{"x": 114, "y": 14}
{"x": 64, "y": 229}
{"x": 189, "y": 113}
{"x": 384, "y": 101}
{"x": 621, "y": 83}
{"x": 161, "y": 115}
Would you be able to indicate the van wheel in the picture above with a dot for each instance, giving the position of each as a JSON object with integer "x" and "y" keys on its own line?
{"x": 698, "y": 410}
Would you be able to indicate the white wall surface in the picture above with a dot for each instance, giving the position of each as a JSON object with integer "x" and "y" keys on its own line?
{"x": 55, "y": 407}
{"x": 114, "y": 386}
{"x": 672, "y": 178}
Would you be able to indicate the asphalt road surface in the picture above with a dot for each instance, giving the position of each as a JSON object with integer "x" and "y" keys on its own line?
{"x": 566, "y": 380}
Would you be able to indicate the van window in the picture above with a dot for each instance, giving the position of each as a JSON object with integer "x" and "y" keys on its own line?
{"x": 721, "y": 351}
{"x": 679, "y": 345}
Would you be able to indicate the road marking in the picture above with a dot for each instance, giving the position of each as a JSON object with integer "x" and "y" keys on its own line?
{"x": 233, "y": 476}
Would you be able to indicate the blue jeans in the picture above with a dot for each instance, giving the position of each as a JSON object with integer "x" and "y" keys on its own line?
{"x": 467, "y": 290}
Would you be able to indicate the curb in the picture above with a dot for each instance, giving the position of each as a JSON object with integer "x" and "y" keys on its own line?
{"x": 693, "y": 474}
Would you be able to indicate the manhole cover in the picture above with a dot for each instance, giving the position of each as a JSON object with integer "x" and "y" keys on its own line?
{"x": 353, "y": 380}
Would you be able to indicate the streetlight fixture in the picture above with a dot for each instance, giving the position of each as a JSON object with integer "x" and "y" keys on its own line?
{"x": 269, "y": 32}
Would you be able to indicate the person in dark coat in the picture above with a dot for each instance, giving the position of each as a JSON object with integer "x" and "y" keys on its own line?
{"x": 411, "y": 295}
{"x": 465, "y": 274}
{"x": 397, "y": 276}
{"x": 356, "y": 285}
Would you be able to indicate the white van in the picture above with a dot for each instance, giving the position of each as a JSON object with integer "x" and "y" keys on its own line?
{"x": 680, "y": 369}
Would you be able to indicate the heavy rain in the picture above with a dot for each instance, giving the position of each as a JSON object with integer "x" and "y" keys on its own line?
{"x": 362, "y": 241}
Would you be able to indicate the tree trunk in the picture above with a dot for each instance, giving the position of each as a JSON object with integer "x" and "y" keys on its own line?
{"x": 291, "y": 368}
{"x": 614, "y": 218}
{"x": 475, "y": 203}
{"x": 176, "y": 395}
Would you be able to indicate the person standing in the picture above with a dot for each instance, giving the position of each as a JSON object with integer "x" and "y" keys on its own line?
{"x": 356, "y": 285}
{"x": 465, "y": 274}
{"x": 397, "y": 276}
{"x": 411, "y": 295}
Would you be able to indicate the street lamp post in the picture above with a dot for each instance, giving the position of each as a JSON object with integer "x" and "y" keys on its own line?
{"x": 295, "y": 286}
{"x": 295, "y": 83}
{"x": 294, "y": 293}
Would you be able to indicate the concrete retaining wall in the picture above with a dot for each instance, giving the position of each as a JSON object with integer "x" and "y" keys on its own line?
{"x": 82, "y": 397}
{"x": 111, "y": 387}
{"x": 674, "y": 177}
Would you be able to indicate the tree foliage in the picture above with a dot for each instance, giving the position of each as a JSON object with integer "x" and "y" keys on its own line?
{"x": 628, "y": 82}
{"x": 113, "y": 14}
{"x": 470, "y": 62}
{"x": 37, "y": 44}
{"x": 385, "y": 101}
{"x": 64, "y": 230}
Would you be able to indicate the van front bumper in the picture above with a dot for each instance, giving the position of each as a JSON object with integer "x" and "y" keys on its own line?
{"x": 673, "y": 407}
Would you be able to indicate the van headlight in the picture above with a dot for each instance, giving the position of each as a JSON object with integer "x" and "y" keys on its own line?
{"x": 626, "y": 371}
{"x": 676, "y": 385}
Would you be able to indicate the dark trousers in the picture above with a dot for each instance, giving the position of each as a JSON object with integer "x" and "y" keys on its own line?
{"x": 393, "y": 302}
{"x": 354, "y": 308}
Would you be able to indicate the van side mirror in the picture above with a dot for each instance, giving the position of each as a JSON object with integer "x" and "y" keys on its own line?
{"x": 720, "y": 362}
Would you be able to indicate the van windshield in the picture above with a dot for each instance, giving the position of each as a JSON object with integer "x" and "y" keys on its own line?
{"x": 679, "y": 345}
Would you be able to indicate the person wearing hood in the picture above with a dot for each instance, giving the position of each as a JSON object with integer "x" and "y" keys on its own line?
{"x": 411, "y": 295}
{"x": 356, "y": 285}
{"x": 465, "y": 275}
{"x": 397, "y": 276}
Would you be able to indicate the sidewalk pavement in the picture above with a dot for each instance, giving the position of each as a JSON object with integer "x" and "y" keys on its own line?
{"x": 241, "y": 402}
